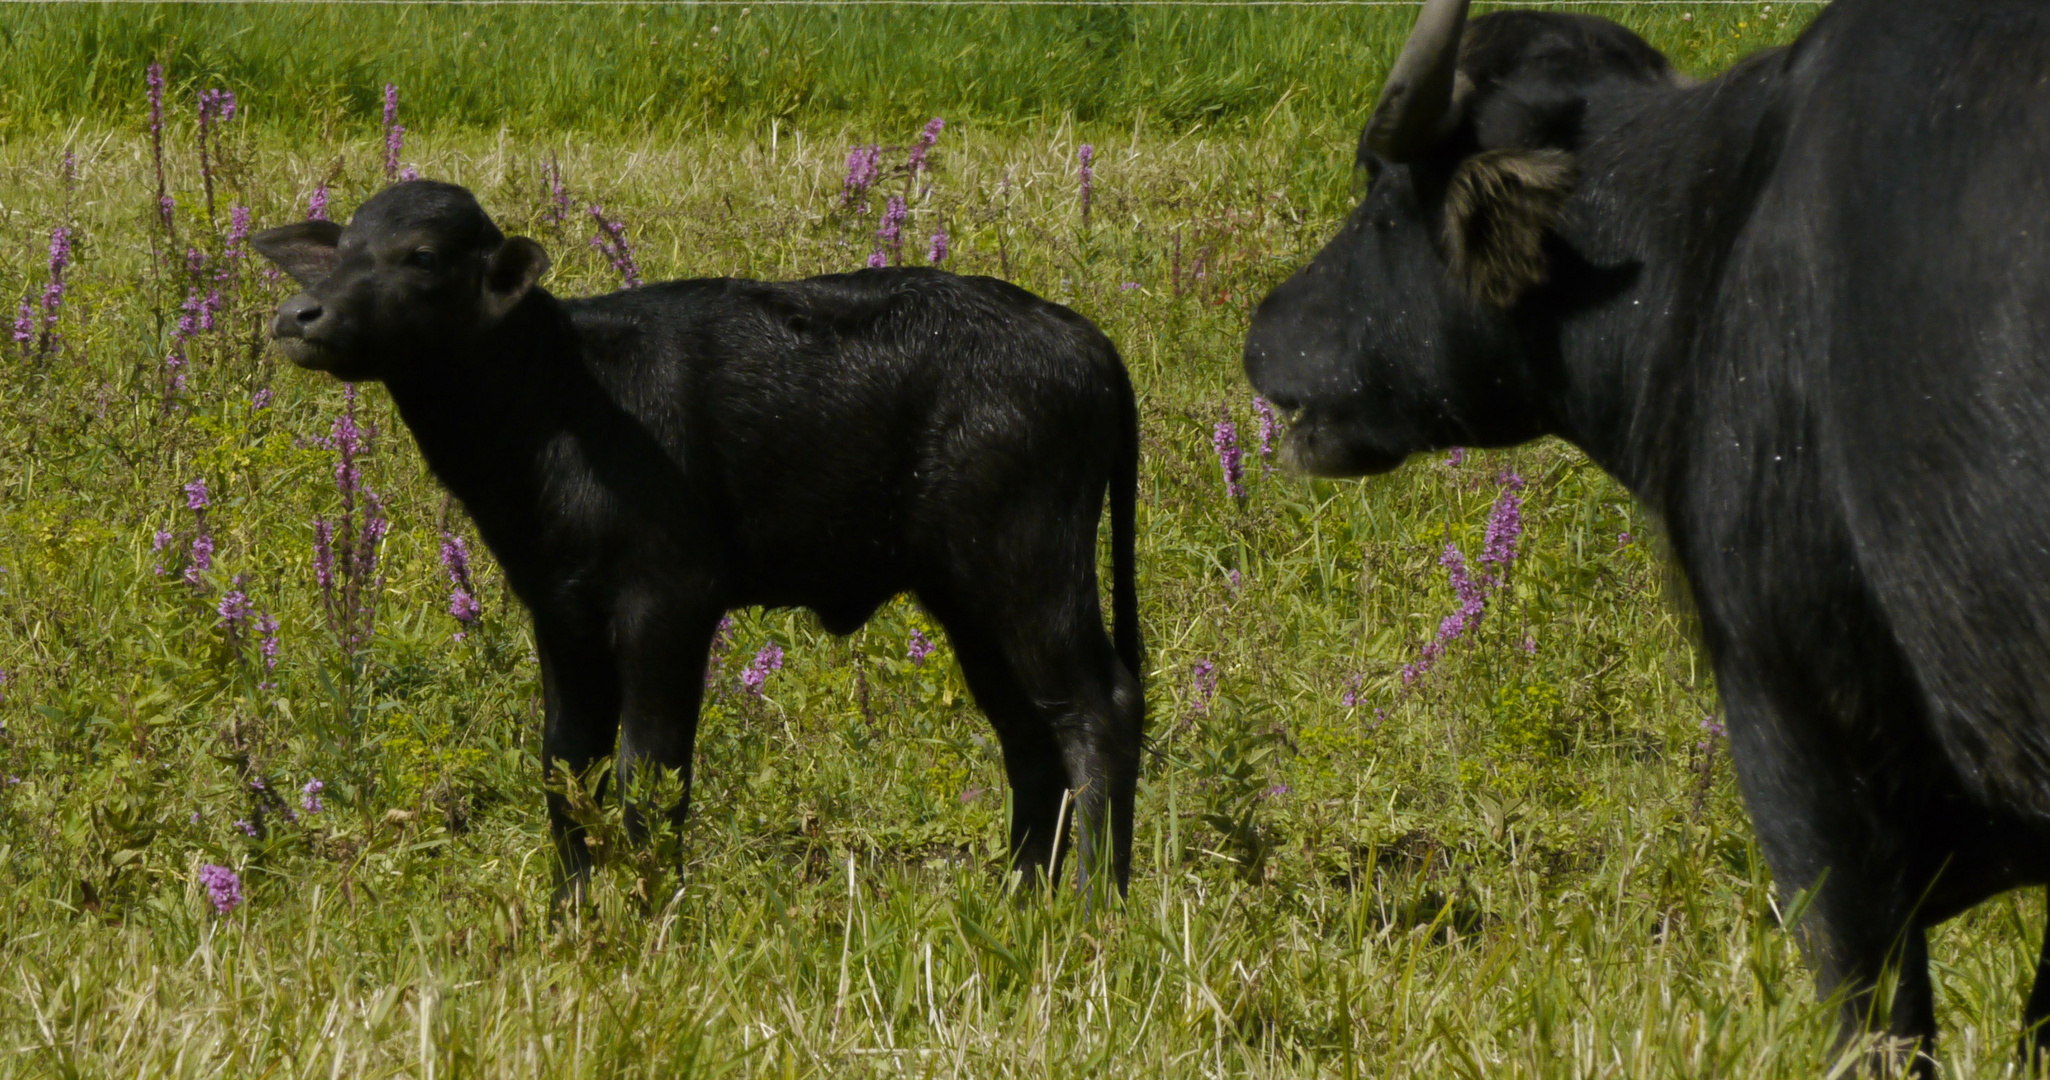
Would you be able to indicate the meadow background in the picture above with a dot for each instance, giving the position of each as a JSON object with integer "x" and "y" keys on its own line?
{"x": 1362, "y": 849}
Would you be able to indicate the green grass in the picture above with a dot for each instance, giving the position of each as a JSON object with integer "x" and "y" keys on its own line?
{"x": 314, "y": 68}
{"x": 1525, "y": 866}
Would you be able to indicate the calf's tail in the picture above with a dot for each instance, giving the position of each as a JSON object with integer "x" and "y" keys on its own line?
{"x": 1124, "y": 493}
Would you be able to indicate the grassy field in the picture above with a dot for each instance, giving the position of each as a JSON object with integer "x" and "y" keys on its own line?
{"x": 1527, "y": 861}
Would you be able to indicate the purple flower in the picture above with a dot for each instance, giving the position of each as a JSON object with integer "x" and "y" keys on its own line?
{"x": 324, "y": 555}
{"x": 462, "y": 598}
{"x": 1203, "y": 676}
{"x": 1713, "y": 729}
{"x": 877, "y": 260}
{"x": 1622, "y": 539}
{"x": 769, "y": 659}
{"x": 1233, "y": 578}
{"x": 926, "y": 139}
{"x": 25, "y": 322}
{"x": 936, "y": 252}
{"x": 1225, "y": 437}
{"x": 1505, "y": 525}
{"x": 234, "y": 607}
{"x": 309, "y": 796}
{"x": 921, "y": 647}
{"x": 195, "y": 495}
{"x": 247, "y": 829}
{"x": 892, "y": 232}
{"x": 202, "y": 558}
{"x": 394, "y": 133}
{"x": 1084, "y": 156}
{"x": 1269, "y": 426}
{"x": 316, "y": 206}
{"x": 267, "y": 647}
{"x": 1276, "y": 791}
{"x": 863, "y": 163}
{"x": 260, "y": 400}
{"x": 1456, "y": 458}
{"x": 611, "y": 241}
{"x": 1351, "y": 696}
{"x": 223, "y": 888}
{"x": 1529, "y": 645}
{"x": 1128, "y": 286}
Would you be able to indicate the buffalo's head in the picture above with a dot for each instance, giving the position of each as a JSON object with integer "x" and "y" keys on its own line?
{"x": 419, "y": 270}
{"x": 1402, "y": 334}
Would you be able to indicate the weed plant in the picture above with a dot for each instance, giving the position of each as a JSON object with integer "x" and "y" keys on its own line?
{"x": 271, "y": 804}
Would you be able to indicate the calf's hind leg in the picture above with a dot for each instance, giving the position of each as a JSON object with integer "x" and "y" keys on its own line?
{"x": 1068, "y": 715}
{"x": 662, "y": 646}
{"x": 580, "y": 693}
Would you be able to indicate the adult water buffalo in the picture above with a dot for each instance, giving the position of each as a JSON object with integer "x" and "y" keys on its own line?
{"x": 643, "y": 461}
{"x": 1803, "y": 312}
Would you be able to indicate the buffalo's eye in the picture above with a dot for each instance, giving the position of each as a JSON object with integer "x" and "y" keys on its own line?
{"x": 423, "y": 259}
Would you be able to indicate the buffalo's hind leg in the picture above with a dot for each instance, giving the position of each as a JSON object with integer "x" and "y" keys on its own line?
{"x": 1068, "y": 715}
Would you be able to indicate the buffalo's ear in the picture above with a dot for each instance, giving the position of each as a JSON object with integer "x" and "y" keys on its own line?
{"x": 513, "y": 269}
{"x": 1498, "y": 208}
{"x": 306, "y": 250}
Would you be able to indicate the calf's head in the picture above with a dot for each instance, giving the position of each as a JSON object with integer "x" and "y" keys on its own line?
{"x": 1402, "y": 334}
{"x": 419, "y": 271}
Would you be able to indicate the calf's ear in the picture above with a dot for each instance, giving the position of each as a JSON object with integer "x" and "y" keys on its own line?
{"x": 306, "y": 250}
{"x": 1498, "y": 208}
{"x": 514, "y": 268}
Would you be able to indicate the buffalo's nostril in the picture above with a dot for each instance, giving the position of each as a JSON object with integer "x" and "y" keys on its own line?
{"x": 309, "y": 314}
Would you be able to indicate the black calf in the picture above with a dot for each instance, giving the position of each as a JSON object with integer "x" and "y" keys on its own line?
{"x": 643, "y": 461}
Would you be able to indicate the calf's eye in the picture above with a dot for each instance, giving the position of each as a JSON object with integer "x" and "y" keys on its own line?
{"x": 423, "y": 259}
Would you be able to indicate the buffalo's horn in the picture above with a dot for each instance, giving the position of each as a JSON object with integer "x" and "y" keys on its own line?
{"x": 1418, "y": 93}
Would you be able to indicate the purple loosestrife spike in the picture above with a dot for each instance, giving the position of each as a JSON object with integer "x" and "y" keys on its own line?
{"x": 936, "y": 252}
{"x": 863, "y": 164}
{"x": 260, "y": 400}
{"x": 1203, "y": 676}
{"x": 558, "y": 212}
{"x": 247, "y": 829}
{"x": 394, "y": 134}
{"x": 462, "y": 597}
{"x": 1529, "y": 645}
{"x": 1456, "y": 458}
{"x": 1351, "y": 697}
{"x": 223, "y": 888}
{"x": 267, "y": 646}
{"x": 234, "y": 606}
{"x": 201, "y": 559}
{"x": 309, "y": 796}
{"x": 611, "y": 241}
{"x": 877, "y": 260}
{"x": 195, "y": 495}
{"x": 1505, "y": 525}
{"x": 25, "y": 323}
{"x": 768, "y": 660}
{"x": 316, "y": 207}
{"x": 926, "y": 139}
{"x": 1085, "y": 156}
{"x": 1233, "y": 578}
{"x": 1269, "y": 426}
{"x": 324, "y": 557}
{"x": 1225, "y": 437}
{"x": 892, "y": 232}
{"x": 921, "y": 647}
